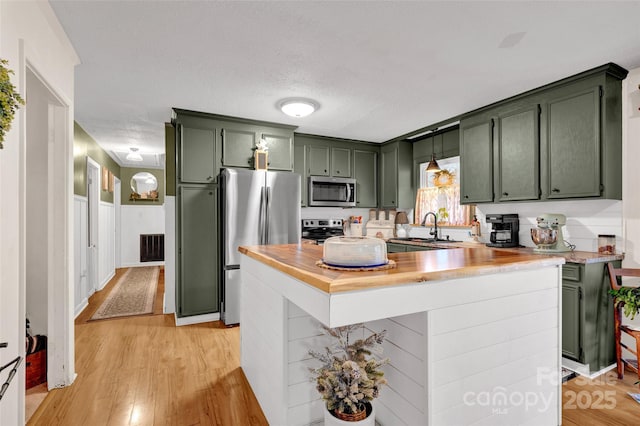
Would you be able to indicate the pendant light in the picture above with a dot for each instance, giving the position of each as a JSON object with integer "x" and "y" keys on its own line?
{"x": 433, "y": 164}
{"x": 134, "y": 155}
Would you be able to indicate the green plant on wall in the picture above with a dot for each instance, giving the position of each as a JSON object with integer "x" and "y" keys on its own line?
{"x": 10, "y": 100}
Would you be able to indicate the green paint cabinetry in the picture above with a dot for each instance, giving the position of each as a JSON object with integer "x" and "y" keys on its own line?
{"x": 239, "y": 140}
{"x": 560, "y": 141}
{"x": 365, "y": 171}
{"x": 322, "y": 156}
{"x": 587, "y": 315}
{"x": 318, "y": 160}
{"x": 476, "y": 160}
{"x": 198, "y": 286}
{"x": 396, "y": 171}
{"x": 197, "y": 147}
{"x": 517, "y": 154}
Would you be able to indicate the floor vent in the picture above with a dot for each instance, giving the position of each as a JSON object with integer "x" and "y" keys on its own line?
{"x": 152, "y": 248}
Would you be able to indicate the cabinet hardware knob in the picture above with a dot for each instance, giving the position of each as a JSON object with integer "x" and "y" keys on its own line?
{"x": 210, "y": 192}
{"x": 506, "y": 194}
{"x": 466, "y": 196}
{"x": 325, "y": 170}
{"x": 555, "y": 190}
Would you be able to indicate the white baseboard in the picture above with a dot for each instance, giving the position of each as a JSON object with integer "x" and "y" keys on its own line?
{"x": 135, "y": 265}
{"x": 583, "y": 369}
{"x": 105, "y": 282}
{"x": 83, "y": 305}
{"x": 197, "y": 319}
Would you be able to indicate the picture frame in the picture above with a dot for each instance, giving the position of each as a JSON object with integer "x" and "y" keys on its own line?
{"x": 111, "y": 181}
{"x": 105, "y": 179}
{"x": 260, "y": 160}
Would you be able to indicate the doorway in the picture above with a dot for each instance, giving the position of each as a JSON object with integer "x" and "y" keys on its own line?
{"x": 47, "y": 296}
{"x": 93, "y": 206}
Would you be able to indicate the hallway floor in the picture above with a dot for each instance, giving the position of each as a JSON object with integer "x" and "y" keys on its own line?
{"x": 146, "y": 371}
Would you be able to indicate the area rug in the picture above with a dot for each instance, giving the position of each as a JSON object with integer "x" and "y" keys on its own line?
{"x": 133, "y": 294}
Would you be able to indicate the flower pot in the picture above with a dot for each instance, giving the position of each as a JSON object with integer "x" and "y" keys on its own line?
{"x": 369, "y": 420}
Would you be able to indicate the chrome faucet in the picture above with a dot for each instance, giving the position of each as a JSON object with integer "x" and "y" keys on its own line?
{"x": 435, "y": 224}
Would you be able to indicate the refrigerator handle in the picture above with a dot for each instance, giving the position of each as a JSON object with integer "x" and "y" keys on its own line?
{"x": 261, "y": 217}
{"x": 267, "y": 210}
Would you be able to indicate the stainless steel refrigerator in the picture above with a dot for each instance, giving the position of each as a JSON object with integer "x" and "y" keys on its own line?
{"x": 257, "y": 207}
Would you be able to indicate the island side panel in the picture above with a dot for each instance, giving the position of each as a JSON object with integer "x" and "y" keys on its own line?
{"x": 496, "y": 362}
{"x": 262, "y": 344}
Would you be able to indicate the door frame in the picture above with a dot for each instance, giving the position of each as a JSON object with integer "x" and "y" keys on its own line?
{"x": 117, "y": 221}
{"x": 93, "y": 229}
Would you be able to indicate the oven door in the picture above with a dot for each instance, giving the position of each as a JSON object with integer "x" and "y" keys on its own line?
{"x": 332, "y": 192}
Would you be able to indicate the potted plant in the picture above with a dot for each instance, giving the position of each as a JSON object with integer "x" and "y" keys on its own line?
{"x": 350, "y": 376}
{"x": 9, "y": 100}
{"x": 630, "y": 298}
{"x": 443, "y": 215}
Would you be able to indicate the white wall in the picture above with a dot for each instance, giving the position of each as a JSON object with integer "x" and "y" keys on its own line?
{"x": 37, "y": 232}
{"x": 170, "y": 255}
{"x": 585, "y": 220}
{"x": 106, "y": 241}
{"x": 80, "y": 254}
{"x": 138, "y": 220}
{"x": 31, "y": 34}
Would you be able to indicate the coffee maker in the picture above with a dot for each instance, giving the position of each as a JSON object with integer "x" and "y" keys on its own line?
{"x": 504, "y": 230}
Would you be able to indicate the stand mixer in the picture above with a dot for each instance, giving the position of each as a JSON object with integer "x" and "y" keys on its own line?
{"x": 548, "y": 235}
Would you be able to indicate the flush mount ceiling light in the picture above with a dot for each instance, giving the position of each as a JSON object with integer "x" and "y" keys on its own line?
{"x": 134, "y": 155}
{"x": 298, "y": 107}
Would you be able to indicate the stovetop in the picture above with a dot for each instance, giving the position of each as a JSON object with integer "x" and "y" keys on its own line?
{"x": 321, "y": 229}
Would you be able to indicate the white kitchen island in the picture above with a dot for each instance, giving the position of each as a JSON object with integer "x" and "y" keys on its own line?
{"x": 473, "y": 334}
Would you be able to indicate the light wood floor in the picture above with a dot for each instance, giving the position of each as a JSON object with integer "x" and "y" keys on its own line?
{"x": 146, "y": 371}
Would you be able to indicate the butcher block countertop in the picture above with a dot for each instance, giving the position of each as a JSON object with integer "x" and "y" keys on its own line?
{"x": 583, "y": 257}
{"x": 299, "y": 261}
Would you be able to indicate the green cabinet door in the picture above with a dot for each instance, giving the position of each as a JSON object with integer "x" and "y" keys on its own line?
{"x": 300, "y": 166}
{"x": 198, "y": 288}
{"x": 476, "y": 161}
{"x": 571, "y": 320}
{"x": 389, "y": 176}
{"x": 517, "y": 155}
{"x": 572, "y": 161}
{"x": 340, "y": 162}
{"x": 197, "y": 154}
{"x": 279, "y": 148}
{"x": 365, "y": 172}
{"x": 396, "y": 248}
{"x": 237, "y": 146}
{"x": 318, "y": 160}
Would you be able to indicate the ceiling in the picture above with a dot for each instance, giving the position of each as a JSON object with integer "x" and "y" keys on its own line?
{"x": 378, "y": 69}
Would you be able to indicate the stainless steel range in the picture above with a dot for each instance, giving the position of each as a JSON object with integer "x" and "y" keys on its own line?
{"x": 321, "y": 229}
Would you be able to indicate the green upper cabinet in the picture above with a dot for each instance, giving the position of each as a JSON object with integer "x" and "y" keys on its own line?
{"x": 573, "y": 144}
{"x": 396, "y": 171}
{"x": 365, "y": 171}
{"x": 197, "y": 151}
{"x": 340, "y": 162}
{"x": 323, "y": 156}
{"x": 517, "y": 155}
{"x": 318, "y": 160}
{"x": 279, "y": 147}
{"x": 238, "y": 143}
{"x": 476, "y": 160}
{"x": 560, "y": 141}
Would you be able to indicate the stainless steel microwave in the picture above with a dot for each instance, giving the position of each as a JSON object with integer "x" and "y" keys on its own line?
{"x": 332, "y": 192}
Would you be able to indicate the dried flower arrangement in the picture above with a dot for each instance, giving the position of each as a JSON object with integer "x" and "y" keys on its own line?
{"x": 350, "y": 376}
{"x": 10, "y": 100}
{"x": 443, "y": 177}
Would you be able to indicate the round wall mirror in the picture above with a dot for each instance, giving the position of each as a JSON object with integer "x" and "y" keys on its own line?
{"x": 144, "y": 185}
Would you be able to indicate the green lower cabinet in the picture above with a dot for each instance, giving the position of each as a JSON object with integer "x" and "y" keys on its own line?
{"x": 197, "y": 287}
{"x": 396, "y": 248}
{"x": 587, "y": 315}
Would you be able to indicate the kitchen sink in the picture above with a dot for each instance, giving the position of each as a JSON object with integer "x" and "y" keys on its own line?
{"x": 426, "y": 240}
